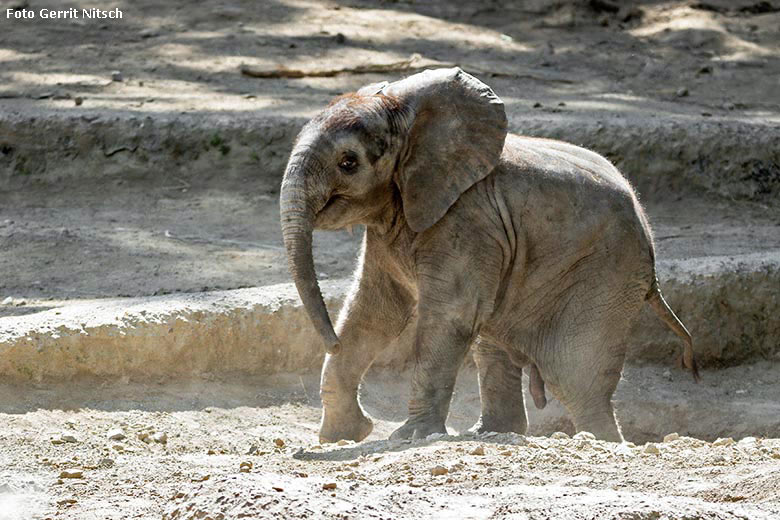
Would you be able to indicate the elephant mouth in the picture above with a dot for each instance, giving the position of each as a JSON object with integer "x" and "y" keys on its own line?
{"x": 327, "y": 217}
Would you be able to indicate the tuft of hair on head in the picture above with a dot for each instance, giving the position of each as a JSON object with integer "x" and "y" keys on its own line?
{"x": 349, "y": 110}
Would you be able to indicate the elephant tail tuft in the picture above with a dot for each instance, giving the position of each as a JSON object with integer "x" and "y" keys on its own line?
{"x": 667, "y": 315}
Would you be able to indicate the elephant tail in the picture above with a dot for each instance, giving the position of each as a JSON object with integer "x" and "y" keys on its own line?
{"x": 667, "y": 315}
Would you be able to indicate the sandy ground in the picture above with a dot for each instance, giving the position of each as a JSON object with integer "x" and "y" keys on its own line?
{"x": 145, "y": 239}
{"x": 176, "y": 58}
{"x": 213, "y": 430}
{"x": 115, "y": 237}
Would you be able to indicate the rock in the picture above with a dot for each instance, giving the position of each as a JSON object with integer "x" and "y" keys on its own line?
{"x": 342, "y": 442}
{"x": 667, "y": 375}
{"x": 479, "y": 450}
{"x": 584, "y": 436}
{"x": 78, "y": 100}
{"x": 117, "y": 434}
{"x": 506, "y": 453}
{"x": 8, "y": 300}
{"x": 559, "y": 435}
{"x": 671, "y": 437}
{"x": 66, "y": 501}
{"x": 329, "y": 486}
{"x": 105, "y": 461}
{"x": 681, "y": 92}
{"x": 160, "y": 437}
{"x": 721, "y": 441}
{"x": 116, "y": 75}
{"x": 537, "y": 105}
{"x": 279, "y": 443}
{"x": 729, "y": 106}
{"x": 340, "y": 38}
{"x": 439, "y": 470}
{"x": 651, "y": 449}
{"x": 144, "y": 436}
{"x": 245, "y": 467}
{"x": 434, "y": 436}
{"x": 72, "y": 473}
{"x": 747, "y": 441}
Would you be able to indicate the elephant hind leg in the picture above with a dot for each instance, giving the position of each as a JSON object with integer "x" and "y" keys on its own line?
{"x": 500, "y": 390}
{"x": 584, "y": 360}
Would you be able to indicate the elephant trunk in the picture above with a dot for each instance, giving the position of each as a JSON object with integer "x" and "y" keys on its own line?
{"x": 297, "y": 217}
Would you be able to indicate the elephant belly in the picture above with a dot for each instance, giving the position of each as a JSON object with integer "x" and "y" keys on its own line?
{"x": 583, "y": 254}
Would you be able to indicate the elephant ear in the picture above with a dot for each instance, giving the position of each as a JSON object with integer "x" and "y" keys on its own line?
{"x": 455, "y": 139}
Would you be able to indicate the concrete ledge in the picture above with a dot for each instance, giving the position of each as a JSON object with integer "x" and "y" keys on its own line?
{"x": 732, "y": 313}
{"x": 251, "y": 331}
{"x": 730, "y": 157}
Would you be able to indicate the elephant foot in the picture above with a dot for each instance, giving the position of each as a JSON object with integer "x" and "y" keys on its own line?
{"x": 334, "y": 429}
{"x": 419, "y": 429}
{"x": 485, "y": 425}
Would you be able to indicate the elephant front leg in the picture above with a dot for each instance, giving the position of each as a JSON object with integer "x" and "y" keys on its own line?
{"x": 441, "y": 348}
{"x": 373, "y": 316}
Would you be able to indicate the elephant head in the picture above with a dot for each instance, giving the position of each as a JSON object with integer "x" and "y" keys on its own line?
{"x": 410, "y": 147}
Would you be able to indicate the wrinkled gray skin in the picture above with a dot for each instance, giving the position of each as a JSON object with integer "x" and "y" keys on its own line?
{"x": 534, "y": 251}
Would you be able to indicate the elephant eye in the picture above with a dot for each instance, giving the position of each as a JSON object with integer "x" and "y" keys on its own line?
{"x": 348, "y": 163}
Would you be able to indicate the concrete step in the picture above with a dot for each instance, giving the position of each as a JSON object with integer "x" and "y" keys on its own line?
{"x": 730, "y": 304}
{"x": 730, "y": 156}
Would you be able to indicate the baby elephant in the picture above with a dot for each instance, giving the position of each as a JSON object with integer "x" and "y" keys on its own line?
{"x": 535, "y": 251}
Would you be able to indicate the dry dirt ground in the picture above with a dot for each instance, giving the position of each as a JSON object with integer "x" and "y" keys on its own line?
{"x": 220, "y": 458}
{"x": 168, "y": 232}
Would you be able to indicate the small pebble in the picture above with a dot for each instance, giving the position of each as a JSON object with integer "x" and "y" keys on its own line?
{"x": 117, "y": 434}
{"x": 329, "y": 485}
{"x": 721, "y": 441}
{"x": 78, "y": 100}
{"x": 584, "y": 436}
{"x": 651, "y": 449}
{"x": 559, "y": 435}
{"x": 279, "y": 443}
{"x": 160, "y": 437}
{"x": 116, "y": 76}
{"x": 245, "y": 467}
{"x": 479, "y": 450}
{"x": 682, "y": 92}
{"x": 72, "y": 473}
{"x": 671, "y": 437}
{"x": 342, "y": 442}
{"x": 439, "y": 470}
